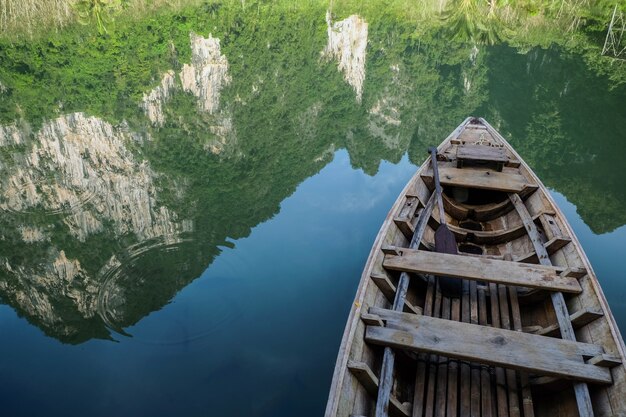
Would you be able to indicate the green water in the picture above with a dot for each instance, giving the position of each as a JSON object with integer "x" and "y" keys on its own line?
{"x": 194, "y": 272}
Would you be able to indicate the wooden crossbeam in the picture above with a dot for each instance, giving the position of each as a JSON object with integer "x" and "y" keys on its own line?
{"x": 579, "y": 319}
{"x": 369, "y": 381}
{"x": 479, "y": 178}
{"x": 508, "y": 348}
{"x": 387, "y": 287}
{"x": 479, "y": 269}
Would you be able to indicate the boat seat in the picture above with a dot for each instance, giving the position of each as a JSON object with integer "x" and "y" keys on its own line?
{"x": 510, "y": 349}
{"x": 478, "y": 269}
{"x": 485, "y": 179}
{"x": 481, "y": 155}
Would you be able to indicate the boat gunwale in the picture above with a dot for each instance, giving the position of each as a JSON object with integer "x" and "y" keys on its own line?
{"x": 341, "y": 365}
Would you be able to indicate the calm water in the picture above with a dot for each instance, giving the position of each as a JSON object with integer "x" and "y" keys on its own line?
{"x": 206, "y": 267}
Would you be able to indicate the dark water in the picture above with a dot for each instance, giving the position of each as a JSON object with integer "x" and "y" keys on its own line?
{"x": 233, "y": 302}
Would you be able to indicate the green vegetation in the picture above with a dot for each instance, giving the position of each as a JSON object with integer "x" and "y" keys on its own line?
{"x": 427, "y": 67}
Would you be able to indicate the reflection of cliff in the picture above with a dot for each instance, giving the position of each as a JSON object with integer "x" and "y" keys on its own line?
{"x": 347, "y": 43}
{"x": 80, "y": 166}
{"x": 76, "y": 178}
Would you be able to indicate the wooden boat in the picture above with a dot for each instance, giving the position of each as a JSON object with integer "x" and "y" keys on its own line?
{"x": 530, "y": 334}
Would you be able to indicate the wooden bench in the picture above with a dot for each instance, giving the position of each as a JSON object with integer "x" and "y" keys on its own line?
{"x": 479, "y": 178}
{"x": 481, "y": 154}
{"x": 488, "y": 345}
{"x": 480, "y": 269}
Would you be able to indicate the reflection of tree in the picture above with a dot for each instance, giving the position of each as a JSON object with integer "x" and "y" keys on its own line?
{"x": 566, "y": 123}
{"x": 473, "y": 20}
{"x": 290, "y": 112}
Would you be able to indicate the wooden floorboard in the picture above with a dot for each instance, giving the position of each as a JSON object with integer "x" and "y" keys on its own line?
{"x": 485, "y": 378}
{"x": 501, "y": 397}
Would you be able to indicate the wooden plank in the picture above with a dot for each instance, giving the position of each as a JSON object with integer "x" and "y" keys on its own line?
{"x": 453, "y": 367}
{"x": 419, "y": 394}
{"x": 475, "y": 373}
{"x": 479, "y": 269}
{"x": 485, "y": 379}
{"x": 481, "y": 153}
{"x": 527, "y": 399}
{"x": 432, "y": 369}
{"x": 579, "y": 319}
{"x": 386, "y": 372}
{"x": 465, "y": 367}
{"x": 484, "y": 236}
{"x": 479, "y": 178}
{"x": 546, "y": 356}
{"x": 442, "y": 369}
{"x": 405, "y": 226}
{"x": 371, "y": 320}
{"x": 511, "y": 382}
{"x": 404, "y": 219}
{"x": 532, "y": 342}
{"x": 550, "y": 227}
{"x": 583, "y": 399}
{"x": 502, "y": 403}
{"x": 385, "y": 285}
{"x": 366, "y": 377}
{"x": 605, "y": 360}
{"x": 551, "y": 246}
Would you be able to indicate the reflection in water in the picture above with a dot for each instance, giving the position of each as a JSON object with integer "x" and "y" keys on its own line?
{"x": 128, "y": 169}
{"x": 105, "y": 221}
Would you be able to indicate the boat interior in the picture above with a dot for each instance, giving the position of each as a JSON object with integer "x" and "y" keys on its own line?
{"x": 528, "y": 333}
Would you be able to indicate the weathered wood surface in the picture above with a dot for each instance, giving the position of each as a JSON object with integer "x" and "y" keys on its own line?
{"x": 502, "y": 404}
{"x": 527, "y": 399}
{"x": 389, "y": 291}
{"x": 419, "y": 394}
{"x": 579, "y": 319}
{"x": 479, "y": 178}
{"x": 369, "y": 381}
{"x": 478, "y": 269}
{"x": 386, "y": 372}
{"x": 583, "y": 399}
{"x": 481, "y": 153}
{"x": 486, "y": 397}
{"x": 507, "y": 348}
{"x": 479, "y": 333}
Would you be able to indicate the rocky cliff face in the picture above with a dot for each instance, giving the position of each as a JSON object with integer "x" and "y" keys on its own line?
{"x": 347, "y": 43}
{"x": 10, "y": 135}
{"x": 207, "y": 74}
{"x": 204, "y": 78}
{"x": 153, "y": 101}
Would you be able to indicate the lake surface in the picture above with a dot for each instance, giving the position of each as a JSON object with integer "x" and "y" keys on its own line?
{"x": 195, "y": 250}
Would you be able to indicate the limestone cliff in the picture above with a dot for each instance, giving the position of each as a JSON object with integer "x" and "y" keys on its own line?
{"x": 207, "y": 74}
{"x": 153, "y": 101}
{"x": 347, "y": 43}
